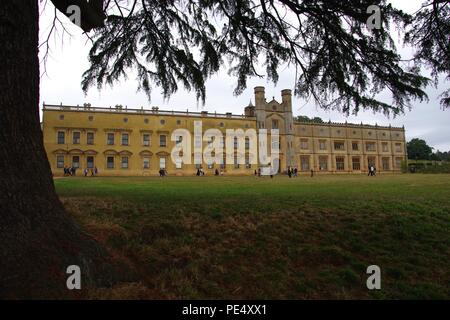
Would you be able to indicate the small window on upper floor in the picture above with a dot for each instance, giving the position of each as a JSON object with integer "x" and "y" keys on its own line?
{"x": 61, "y": 137}
{"x": 304, "y": 144}
{"x": 371, "y": 146}
{"x": 322, "y": 145}
{"x": 76, "y": 137}
{"x": 162, "y": 140}
{"x": 90, "y": 138}
{"x": 125, "y": 139}
{"x": 110, "y": 139}
{"x": 146, "y": 139}
{"x": 339, "y": 145}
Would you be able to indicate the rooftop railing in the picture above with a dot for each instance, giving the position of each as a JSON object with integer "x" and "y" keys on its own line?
{"x": 142, "y": 111}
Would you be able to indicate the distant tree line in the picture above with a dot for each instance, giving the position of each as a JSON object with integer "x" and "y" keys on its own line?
{"x": 308, "y": 119}
{"x": 418, "y": 149}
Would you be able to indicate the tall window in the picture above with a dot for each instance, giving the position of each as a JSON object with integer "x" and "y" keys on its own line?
{"x": 76, "y": 161}
{"x": 323, "y": 163}
{"x": 124, "y": 163}
{"x": 355, "y": 146}
{"x": 223, "y": 161}
{"x": 60, "y": 161}
{"x": 385, "y": 147}
{"x": 162, "y": 163}
{"x": 90, "y": 138}
{"x": 248, "y": 165}
{"x": 304, "y": 163}
{"x": 90, "y": 162}
{"x": 76, "y": 137}
{"x": 274, "y": 124}
{"x": 110, "y": 139}
{"x": 398, "y": 147}
{"x": 340, "y": 164}
{"x": 61, "y": 137}
{"x": 385, "y": 163}
{"x": 247, "y": 143}
{"x": 162, "y": 140}
{"x": 125, "y": 139}
{"x": 110, "y": 162}
{"x": 356, "y": 164}
{"x": 275, "y": 144}
{"x": 146, "y": 161}
{"x": 236, "y": 163}
{"x": 398, "y": 163}
{"x": 146, "y": 139}
{"x": 339, "y": 145}
{"x": 236, "y": 145}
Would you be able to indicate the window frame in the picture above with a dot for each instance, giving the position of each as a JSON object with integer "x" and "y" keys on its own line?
{"x": 63, "y": 137}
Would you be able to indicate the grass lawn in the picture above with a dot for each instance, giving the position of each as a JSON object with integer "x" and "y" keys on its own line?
{"x": 261, "y": 238}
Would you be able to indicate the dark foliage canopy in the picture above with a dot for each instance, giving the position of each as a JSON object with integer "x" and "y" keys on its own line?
{"x": 429, "y": 33}
{"x": 418, "y": 149}
{"x": 340, "y": 62}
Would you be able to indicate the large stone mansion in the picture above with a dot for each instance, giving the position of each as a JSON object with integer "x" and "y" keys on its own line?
{"x": 128, "y": 142}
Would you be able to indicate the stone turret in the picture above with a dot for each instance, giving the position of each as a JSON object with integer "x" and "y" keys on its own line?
{"x": 260, "y": 107}
{"x": 260, "y": 98}
{"x": 249, "y": 110}
{"x": 286, "y": 96}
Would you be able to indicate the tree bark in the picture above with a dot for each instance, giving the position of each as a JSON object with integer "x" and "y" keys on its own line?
{"x": 38, "y": 240}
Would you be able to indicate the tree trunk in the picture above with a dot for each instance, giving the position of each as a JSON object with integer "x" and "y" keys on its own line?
{"x": 38, "y": 240}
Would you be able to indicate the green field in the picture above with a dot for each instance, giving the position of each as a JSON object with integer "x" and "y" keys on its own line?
{"x": 261, "y": 238}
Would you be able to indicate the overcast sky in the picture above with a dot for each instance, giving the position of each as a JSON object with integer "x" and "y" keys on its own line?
{"x": 66, "y": 64}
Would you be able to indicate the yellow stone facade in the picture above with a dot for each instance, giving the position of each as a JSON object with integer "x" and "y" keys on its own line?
{"x": 134, "y": 142}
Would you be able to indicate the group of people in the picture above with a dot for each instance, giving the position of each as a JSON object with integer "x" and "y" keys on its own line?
{"x": 162, "y": 172}
{"x": 372, "y": 170}
{"x": 72, "y": 171}
{"x": 200, "y": 172}
{"x": 69, "y": 171}
{"x": 92, "y": 171}
{"x": 292, "y": 172}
